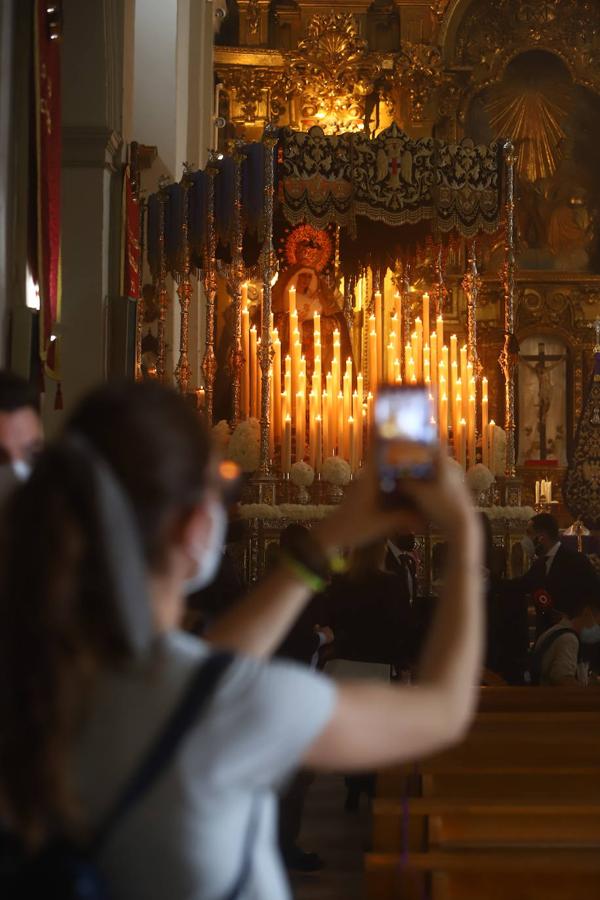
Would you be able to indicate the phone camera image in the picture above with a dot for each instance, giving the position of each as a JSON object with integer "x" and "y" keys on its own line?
{"x": 406, "y": 438}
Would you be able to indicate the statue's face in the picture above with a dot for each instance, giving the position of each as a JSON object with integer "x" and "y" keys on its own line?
{"x": 306, "y": 255}
{"x": 303, "y": 282}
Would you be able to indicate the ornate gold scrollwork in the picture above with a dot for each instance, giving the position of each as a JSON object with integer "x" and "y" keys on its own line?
{"x": 419, "y": 69}
{"x": 333, "y": 72}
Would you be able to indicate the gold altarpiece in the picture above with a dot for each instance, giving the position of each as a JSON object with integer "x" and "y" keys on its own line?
{"x": 527, "y": 71}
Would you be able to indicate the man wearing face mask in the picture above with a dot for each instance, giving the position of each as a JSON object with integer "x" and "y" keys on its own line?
{"x": 556, "y": 575}
{"x": 21, "y": 432}
{"x": 557, "y": 657}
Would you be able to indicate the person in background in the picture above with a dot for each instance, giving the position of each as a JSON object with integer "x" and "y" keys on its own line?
{"x": 555, "y": 575}
{"x": 401, "y": 559}
{"x": 372, "y": 621}
{"x": 21, "y": 431}
{"x": 302, "y": 644}
{"x": 121, "y": 515}
{"x": 556, "y": 658}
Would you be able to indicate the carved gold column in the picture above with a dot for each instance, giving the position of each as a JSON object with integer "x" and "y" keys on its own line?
{"x": 470, "y": 285}
{"x": 161, "y": 288}
{"x": 439, "y": 291}
{"x": 509, "y": 351}
{"x": 209, "y": 363}
{"x": 139, "y": 307}
{"x": 269, "y": 142}
{"x": 237, "y": 276}
{"x": 184, "y": 291}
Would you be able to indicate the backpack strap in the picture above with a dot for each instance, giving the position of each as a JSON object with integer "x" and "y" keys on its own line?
{"x": 192, "y": 703}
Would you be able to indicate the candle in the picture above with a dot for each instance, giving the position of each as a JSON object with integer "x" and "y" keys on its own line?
{"x": 397, "y": 373}
{"x": 337, "y": 360}
{"x": 356, "y": 406}
{"x": 463, "y": 375}
{"x": 491, "y": 437}
{"x": 373, "y": 361}
{"x": 359, "y": 386}
{"x": 457, "y": 412}
{"x": 439, "y": 328}
{"x": 292, "y": 299}
{"x": 271, "y": 416}
{"x": 351, "y": 444}
{"x": 317, "y": 326}
{"x": 453, "y": 349}
{"x": 426, "y": 364}
{"x": 318, "y": 454}
{"x": 276, "y": 391}
{"x": 244, "y": 296}
{"x": 369, "y": 417}
{"x": 485, "y": 454}
{"x": 462, "y": 443}
{"x": 379, "y": 328}
{"x": 253, "y": 362}
{"x": 246, "y": 352}
{"x": 426, "y": 315}
{"x": 325, "y": 425}
{"x": 414, "y": 342}
{"x": 471, "y": 415}
{"x": 341, "y": 425}
{"x": 258, "y": 381}
{"x": 296, "y": 356}
{"x": 418, "y": 355}
{"x": 391, "y": 355}
{"x": 443, "y": 417}
{"x": 300, "y": 425}
{"x": 433, "y": 361}
{"x": 286, "y": 450}
{"x": 395, "y": 335}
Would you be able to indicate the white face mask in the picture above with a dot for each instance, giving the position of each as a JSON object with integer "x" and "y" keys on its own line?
{"x": 208, "y": 556}
{"x": 21, "y": 469}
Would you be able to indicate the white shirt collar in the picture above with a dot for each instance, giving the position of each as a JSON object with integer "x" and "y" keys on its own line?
{"x": 549, "y": 556}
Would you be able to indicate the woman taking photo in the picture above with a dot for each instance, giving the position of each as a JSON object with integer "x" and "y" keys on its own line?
{"x": 119, "y": 519}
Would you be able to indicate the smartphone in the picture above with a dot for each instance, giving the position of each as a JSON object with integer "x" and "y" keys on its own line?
{"x": 405, "y": 438}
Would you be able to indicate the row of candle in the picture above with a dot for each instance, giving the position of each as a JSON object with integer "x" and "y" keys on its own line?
{"x": 327, "y": 416}
{"x": 543, "y": 491}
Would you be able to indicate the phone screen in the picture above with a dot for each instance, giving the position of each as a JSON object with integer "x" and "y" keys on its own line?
{"x": 406, "y": 436}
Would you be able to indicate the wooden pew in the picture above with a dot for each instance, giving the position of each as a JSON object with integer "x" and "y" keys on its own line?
{"x": 538, "y": 699}
{"x": 556, "y": 874}
{"x": 523, "y": 750}
{"x": 424, "y": 824}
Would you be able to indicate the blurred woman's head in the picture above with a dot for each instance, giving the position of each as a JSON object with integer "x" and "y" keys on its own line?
{"x": 124, "y": 507}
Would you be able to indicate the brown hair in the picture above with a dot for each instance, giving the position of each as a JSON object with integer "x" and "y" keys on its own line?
{"x": 59, "y": 615}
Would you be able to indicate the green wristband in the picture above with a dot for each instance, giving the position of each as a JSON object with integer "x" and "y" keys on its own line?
{"x": 303, "y": 574}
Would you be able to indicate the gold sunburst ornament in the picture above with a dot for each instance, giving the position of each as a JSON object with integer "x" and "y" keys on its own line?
{"x": 533, "y": 121}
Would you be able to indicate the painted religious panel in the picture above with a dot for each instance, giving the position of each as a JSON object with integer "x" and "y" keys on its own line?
{"x": 542, "y": 400}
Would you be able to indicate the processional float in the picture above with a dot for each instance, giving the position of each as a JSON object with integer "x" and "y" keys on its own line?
{"x": 305, "y": 358}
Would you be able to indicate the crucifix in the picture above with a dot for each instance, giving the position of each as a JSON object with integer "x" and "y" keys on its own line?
{"x": 541, "y": 366}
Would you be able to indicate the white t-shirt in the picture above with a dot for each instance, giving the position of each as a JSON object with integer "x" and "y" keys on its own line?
{"x": 185, "y": 840}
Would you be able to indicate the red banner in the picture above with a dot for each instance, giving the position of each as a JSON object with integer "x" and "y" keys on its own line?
{"x": 132, "y": 286}
{"x": 48, "y": 161}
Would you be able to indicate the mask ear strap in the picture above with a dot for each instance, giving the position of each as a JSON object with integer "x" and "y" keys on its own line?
{"x": 122, "y": 550}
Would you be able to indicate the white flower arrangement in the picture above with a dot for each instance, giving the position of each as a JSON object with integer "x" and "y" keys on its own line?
{"x": 312, "y": 512}
{"x": 336, "y": 471}
{"x": 301, "y": 474}
{"x": 479, "y": 478}
{"x": 221, "y": 435}
{"x": 457, "y": 470}
{"x": 244, "y": 446}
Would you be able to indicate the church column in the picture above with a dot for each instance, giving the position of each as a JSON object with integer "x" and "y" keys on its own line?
{"x": 92, "y": 90}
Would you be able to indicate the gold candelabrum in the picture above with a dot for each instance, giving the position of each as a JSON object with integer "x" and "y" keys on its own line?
{"x": 209, "y": 364}
{"x": 161, "y": 288}
{"x": 236, "y": 277}
{"x": 184, "y": 290}
{"x": 268, "y": 271}
{"x": 509, "y": 353}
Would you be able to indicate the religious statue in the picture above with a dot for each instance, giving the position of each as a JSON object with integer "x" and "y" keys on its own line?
{"x": 308, "y": 252}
